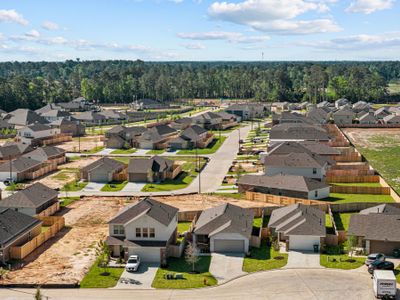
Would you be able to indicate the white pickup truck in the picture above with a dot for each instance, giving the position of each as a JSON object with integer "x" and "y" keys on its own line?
{"x": 384, "y": 284}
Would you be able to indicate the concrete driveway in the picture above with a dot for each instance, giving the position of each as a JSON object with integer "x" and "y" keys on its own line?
{"x": 225, "y": 267}
{"x": 93, "y": 187}
{"x": 142, "y": 279}
{"x": 133, "y": 187}
{"x": 105, "y": 151}
{"x": 303, "y": 260}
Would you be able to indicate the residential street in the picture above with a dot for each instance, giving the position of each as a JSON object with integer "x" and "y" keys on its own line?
{"x": 211, "y": 177}
{"x": 280, "y": 284}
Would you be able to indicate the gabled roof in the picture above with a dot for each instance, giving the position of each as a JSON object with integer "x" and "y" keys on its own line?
{"x": 56, "y": 113}
{"x": 45, "y": 153}
{"x": 12, "y": 150}
{"x": 89, "y": 116}
{"x": 32, "y": 197}
{"x": 382, "y": 110}
{"x": 367, "y": 117}
{"x": 296, "y": 160}
{"x": 163, "y": 129}
{"x": 391, "y": 118}
{"x": 208, "y": 116}
{"x": 225, "y": 218}
{"x": 38, "y": 127}
{"x": 298, "y": 219}
{"x": 343, "y": 112}
{"x": 159, "y": 211}
{"x": 155, "y": 164}
{"x": 184, "y": 121}
{"x": 192, "y": 133}
{"x": 5, "y": 124}
{"x": 20, "y": 164}
{"x": 386, "y": 209}
{"x": 22, "y": 147}
{"x": 380, "y": 227}
{"x": 298, "y": 131}
{"x": 105, "y": 163}
{"x": 48, "y": 107}
{"x": 303, "y": 146}
{"x": 284, "y": 182}
{"x": 13, "y": 224}
{"x": 318, "y": 115}
{"x": 24, "y": 116}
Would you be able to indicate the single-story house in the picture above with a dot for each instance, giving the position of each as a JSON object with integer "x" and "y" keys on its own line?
{"x": 381, "y": 112}
{"x": 23, "y": 117}
{"x": 224, "y": 228}
{"x": 32, "y": 200}
{"x": 302, "y": 227}
{"x": 146, "y": 229}
{"x": 386, "y": 209}
{"x": 74, "y": 128}
{"x": 297, "y": 132}
{"x": 247, "y": 111}
{"x": 208, "y": 120}
{"x": 318, "y": 115}
{"x": 392, "y": 119}
{"x": 341, "y": 102}
{"x": 368, "y": 118}
{"x": 376, "y": 232}
{"x": 20, "y": 169}
{"x": 55, "y": 114}
{"x": 343, "y": 116}
{"x": 156, "y": 137}
{"x": 284, "y": 185}
{"x": 154, "y": 169}
{"x": 13, "y": 150}
{"x": 48, "y": 154}
{"x": 304, "y": 146}
{"x": 90, "y": 118}
{"x": 192, "y": 137}
{"x": 102, "y": 170}
{"x": 120, "y": 137}
{"x": 15, "y": 230}
{"x": 181, "y": 123}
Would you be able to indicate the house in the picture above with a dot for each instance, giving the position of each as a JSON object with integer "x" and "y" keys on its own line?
{"x": 182, "y": 123}
{"x": 392, "y": 119}
{"x": 284, "y": 185}
{"x": 208, "y": 120}
{"x": 31, "y": 201}
{"x": 4, "y": 126}
{"x": 381, "y": 112}
{"x": 48, "y": 154}
{"x": 102, "y": 170}
{"x": 376, "y": 232}
{"x": 292, "y": 117}
{"x": 156, "y": 137}
{"x": 311, "y": 147}
{"x": 113, "y": 115}
{"x": 296, "y": 163}
{"x": 279, "y": 106}
{"x": 248, "y": 111}
{"x": 73, "y": 128}
{"x": 120, "y": 136}
{"x": 23, "y": 117}
{"x": 386, "y": 209}
{"x": 323, "y": 104}
{"x": 368, "y": 118}
{"x": 228, "y": 120}
{"x": 341, "y": 102}
{"x": 90, "y": 118}
{"x": 192, "y": 137}
{"x": 361, "y": 107}
{"x": 154, "y": 169}
{"x": 343, "y": 117}
{"x": 224, "y": 228}
{"x": 318, "y": 115}
{"x": 145, "y": 229}
{"x": 33, "y": 134}
{"x": 21, "y": 169}
{"x": 302, "y": 227}
{"x": 79, "y": 104}
{"x": 48, "y": 107}
{"x": 297, "y": 132}
{"x": 143, "y": 104}
{"x": 55, "y": 114}
{"x": 15, "y": 230}
{"x": 13, "y": 150}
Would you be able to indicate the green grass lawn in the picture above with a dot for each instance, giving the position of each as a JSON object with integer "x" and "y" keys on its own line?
{"x": 247, "y": 157}
{"x": 44, "y": 228}
{"x": 94, "y": 150}
{"x": 342, "y": 220}
{"x": 369, "y": 184}
{"x": 329, "y": 225}
{"x": 231, "y": 195}
{"x": 264, "y": 258}
{"x": 179, "y": 265}
{"x": 212, "y": 147}
{"x": 95, "y": 278}
{"x": 114, "y": 186}
{"x": 63, "y": 175}
{"x": 74, "y": 187}
{"x": 74, "y": 158}
{"x": 397, "y": 273}
{"x": 327, "y": 260}
{"x": 347, "y": 198}
{"x": 155, "y": 152}
{"x": 183, "y": 226}
{"x": 68, "y": 200}
{"x": 124, "y": 151}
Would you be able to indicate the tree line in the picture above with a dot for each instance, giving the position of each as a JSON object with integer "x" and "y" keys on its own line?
{"x": 33, "y": 84}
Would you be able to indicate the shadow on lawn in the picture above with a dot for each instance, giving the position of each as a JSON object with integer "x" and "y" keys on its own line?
{"x": 179, "y": 265}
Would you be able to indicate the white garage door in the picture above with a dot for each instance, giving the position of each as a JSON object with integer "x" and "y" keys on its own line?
{"x": 147, "y": 254}
{"x": 228, "y": 246}
{"x": 99, "y": 176}
{"x": 303, "y": 243}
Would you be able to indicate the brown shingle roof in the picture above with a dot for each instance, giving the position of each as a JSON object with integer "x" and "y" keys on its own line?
{"x": 380, "y": 227}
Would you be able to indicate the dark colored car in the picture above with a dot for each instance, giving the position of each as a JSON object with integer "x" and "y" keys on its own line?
{"x": 380, "y": 265}
{"x": 373, "y": 257}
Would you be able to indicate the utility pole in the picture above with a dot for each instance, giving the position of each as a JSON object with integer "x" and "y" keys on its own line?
{"x": 79, "y": 137}
{"x": 198, "y": 168}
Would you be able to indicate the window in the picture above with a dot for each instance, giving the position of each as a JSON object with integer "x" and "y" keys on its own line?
{"x": 119, "y": 229}
{"x": 145, "y": 232}
{"x": 316, "y": 193}
{"x": 152, "y": 232}
{"x": 138, "y": 232}
{"x": 314, "y": 171}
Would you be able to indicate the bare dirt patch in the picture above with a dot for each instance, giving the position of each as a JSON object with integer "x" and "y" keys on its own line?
{"x": 367, "y": 137}
{"x": 87, "y": 143}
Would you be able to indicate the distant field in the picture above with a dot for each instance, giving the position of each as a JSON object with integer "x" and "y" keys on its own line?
{"x": 394, "y": 88}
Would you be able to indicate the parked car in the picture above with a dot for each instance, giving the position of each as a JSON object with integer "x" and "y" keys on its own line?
{"x": 380, "y": 265}
{"x": 373, "y": 257}
{"x": 257, "y": 140}
{"x": 396, "y": 253}
{"x": 9, "y": 181}
{"x": 133, "y": 263}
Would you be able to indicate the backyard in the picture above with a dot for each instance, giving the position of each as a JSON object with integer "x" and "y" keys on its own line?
{"x": 264, "y": 258}
{"x": 201, "y": 278}
{"x": 348, "y": 198}
{"x": 342, "y": 220}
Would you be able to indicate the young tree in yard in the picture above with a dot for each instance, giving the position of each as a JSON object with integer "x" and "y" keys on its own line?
{"x": 239, "y": 171}
{"x": 191, "y": 255}
{"x": 351, "y": 243}
{"x": 103, "y": 253}
{"x": 38, "y": 294}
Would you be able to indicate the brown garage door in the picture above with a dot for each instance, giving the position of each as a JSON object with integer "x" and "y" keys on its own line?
{"x": 383, "y": 247}
{"x": 229, "y": 246}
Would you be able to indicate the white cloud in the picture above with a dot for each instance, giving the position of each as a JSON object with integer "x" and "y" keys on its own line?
{"x": 277, "y": 16}
{"x": 48, "y": 25}
{"x": 369, "y": 6}
{"x": 232, "y": 37}
{"x": 12, "y": 15}
{"x": 194, "y": 46}
{"x": 33, "y": 33}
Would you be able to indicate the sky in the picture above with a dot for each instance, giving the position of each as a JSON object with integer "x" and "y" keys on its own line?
{"x": 199, "y": 30}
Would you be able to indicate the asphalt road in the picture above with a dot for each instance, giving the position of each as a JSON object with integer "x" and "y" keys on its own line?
{"x": 296, "y": 284}
{"x": 210, "y": 179}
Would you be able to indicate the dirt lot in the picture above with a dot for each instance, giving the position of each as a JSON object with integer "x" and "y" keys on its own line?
{"x": 369, "y": 137}
{"x": 87, "y": 143}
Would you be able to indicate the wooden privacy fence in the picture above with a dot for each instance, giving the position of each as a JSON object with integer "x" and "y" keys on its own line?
{"x": 50, "y": 210}
{"x": 374, "y": 190}
{"x": 121, "y": 176}
{"x": 60, "y": 138}
{"x": 42, "y": 171}
{"x": 55, "y": 223}
{"x": 352, "y": 157}
{"x": 350, "y": 172}
{"x": 279, "y": 200}
{"x": 176, "y": 169}
{"x": 350, "y": 179}
{"x": 356, "y": 166}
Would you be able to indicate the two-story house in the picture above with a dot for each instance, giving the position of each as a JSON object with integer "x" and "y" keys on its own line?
{"x": 146, "y": 229}
{"x": 31, "y": 134}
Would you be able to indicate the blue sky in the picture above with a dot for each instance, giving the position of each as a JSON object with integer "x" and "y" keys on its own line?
{"x": 199, "y": 30}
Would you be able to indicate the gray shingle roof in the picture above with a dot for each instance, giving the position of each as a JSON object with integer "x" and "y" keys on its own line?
{"x": 303, "y": 146}
{"x": 284, "y": 182}
{"x": 380, "y": 227}
{"x": 38, "y": 127}
{"x": 193, "y": 133}
{"x": 225, "y": 218}
{"x": 32, "y": 197}
{"x": 296, "y": 160}
{"x": 24, "y": 116}
{"x": 20, "y": 164}
{"x": 155, "y": 164}
{"x": 45, "y": 153}
{"x": 298, "y": 219}
{"x": 22, "y": 147}
{"x": 163, "y": 129}
{"x": 298, "y": 131}
{"x": 108, "y": 164}
{"x": 13, "y": 224}
{"x": 381, "y": 209}
{"x": 159, "y": 211}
